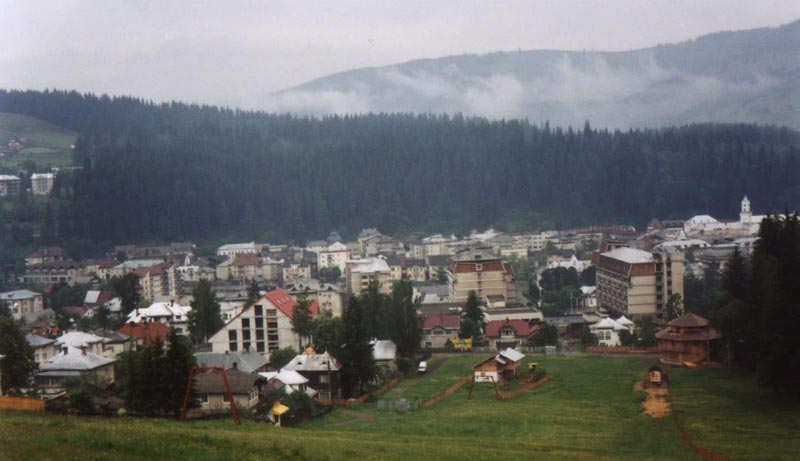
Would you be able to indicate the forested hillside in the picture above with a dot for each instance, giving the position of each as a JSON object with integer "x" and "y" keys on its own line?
{"x": 174, "y": 171}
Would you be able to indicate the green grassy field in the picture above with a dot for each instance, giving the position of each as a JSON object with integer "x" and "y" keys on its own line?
{"x": 46, "y": 144}
{"x": 587, "y": 411}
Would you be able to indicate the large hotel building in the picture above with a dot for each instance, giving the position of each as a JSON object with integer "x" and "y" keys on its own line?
{"x": 638, "y": 283}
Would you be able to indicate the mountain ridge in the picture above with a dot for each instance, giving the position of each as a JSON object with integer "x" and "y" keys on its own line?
{"x": 746, "y": 76}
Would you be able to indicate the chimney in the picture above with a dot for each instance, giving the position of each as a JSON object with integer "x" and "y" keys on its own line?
{"x": 83, "y": 350}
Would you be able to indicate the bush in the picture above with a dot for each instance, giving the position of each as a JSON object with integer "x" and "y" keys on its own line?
{"x": 405, "y": 365}
{"x": 539, "y": 374}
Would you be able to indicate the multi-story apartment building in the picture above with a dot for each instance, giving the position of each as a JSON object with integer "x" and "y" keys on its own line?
{"x": 265, "y": 325}
{"x": 334, "y": 255}
{"x": 22, "y": 302}
{"x": 480, "y": 271}
{"x": 10, "y": 186}
{"x": 360, "y": 272}
{"x": 638, "y": 283}
{"x": 159, "y": 282}
{"x": 42, "y": 183}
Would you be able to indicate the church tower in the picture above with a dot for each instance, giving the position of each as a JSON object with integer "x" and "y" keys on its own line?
{"x": 745, "y": 216}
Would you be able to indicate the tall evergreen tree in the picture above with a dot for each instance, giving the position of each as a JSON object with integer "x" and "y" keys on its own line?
{"x": 472, "y": 309}
{"x": 355, "y": 355}
{"x": 18, "y": 365}
{"x": 405, "y": 329}
{"x": 204, "y": 318}
{"x": 177, "y": 365}
{"x": 302, "y": 320}
{"x": 127, "y": 288}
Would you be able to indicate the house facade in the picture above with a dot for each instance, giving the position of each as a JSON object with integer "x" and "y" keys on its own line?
{"x": 510, "y": 333}
{"x": 438, "y": 329}
{"x": 638, "y": 283}
{"x": 689, "y": 338}
{"x": 482, "y": 272}
{"x": 22, "y": 302}
{"x": 265, "y": 325}
{"x": 71, "y": 363}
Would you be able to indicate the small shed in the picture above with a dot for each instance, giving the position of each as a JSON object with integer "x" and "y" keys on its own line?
{"x": 655, "y": 375}
{"x": 504, "y": 365}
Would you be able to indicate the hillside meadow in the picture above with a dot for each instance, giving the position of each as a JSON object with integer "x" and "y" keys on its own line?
{"x": 588, "y": 410}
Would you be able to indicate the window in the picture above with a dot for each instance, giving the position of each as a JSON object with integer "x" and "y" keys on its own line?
{"x": 259, "y": 335}
{"x": 232, "y": 335}
{"x": 323, "y": 379}
{"x": 259, "y": 311}
{"x": 204, "y": 398}
{"x": 245, "y": 323}
{"x": 233, "y": 347}
{"x": 428, "y": 344}
{"x": 246, "y": 335}
{"x": 259, "y": 323}
{"x": 260, "y": 346}
{"x": 246, "y": 346}
{"x": 225, "y": 398}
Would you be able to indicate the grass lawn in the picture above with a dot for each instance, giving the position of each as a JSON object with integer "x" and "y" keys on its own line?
{"x": 45, "y": 144}
{"x": 587, "y": 411}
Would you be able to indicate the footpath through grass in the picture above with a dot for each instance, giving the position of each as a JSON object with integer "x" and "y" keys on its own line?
{"x": 588, "y": 411}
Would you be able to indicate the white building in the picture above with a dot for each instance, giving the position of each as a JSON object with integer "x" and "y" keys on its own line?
{"x": 360, "y": 272}
{"x": 169, "y": 313}
{"x": 233, "y": 249}
{"x": 607, "y": 330}
{"x": 748, "y": 223}
{"x": 42, "y": 183}
{"x": 334, "y": 255}
{"x": 264, "y": 325}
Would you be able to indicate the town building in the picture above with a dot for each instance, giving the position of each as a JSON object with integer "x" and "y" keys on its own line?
{"x": 608, "y": 330}
{"x": 44, "y": 349}
{"x": 265, "y": 325}
{"x": 638, "y": 283}
{"x": 438, "y": 329}
{"x": 688, "y": 339}
{"x": 73, "y": 363}
{"x": 10, "y": 186}
{"x": 321, "y": 370}
{"x": 235, "y": 249}
{"x": 360, "y": 272}
{"x": 482, "y": 272}
{"x": 42, "y": 183}
{"x": 503, "y": 366}
{"x": 146, "y": 333}
{"x": 335, "y": 254}
{"x": 246, "y": 361}
{"x": 159, "y": 282}
{"x": 510, "y": 333}
{"x": 747, "y": 224}
{"x": 213, "y": 393}
{"x": 22, "y": 302}
{"x": 51, "y": 273}
{"x": 45, "y": 255}
{"x": 169, "y": 313}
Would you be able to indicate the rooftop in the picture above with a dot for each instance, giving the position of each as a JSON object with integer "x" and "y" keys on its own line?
{"x": 630, "y": 255}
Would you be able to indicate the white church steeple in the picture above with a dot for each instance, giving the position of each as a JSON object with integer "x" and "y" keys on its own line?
{"x": 745, "y": 216}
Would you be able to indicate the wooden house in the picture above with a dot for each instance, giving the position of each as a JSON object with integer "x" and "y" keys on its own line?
{"x": 689, "y": 339}
{"x": 504, "y": 365}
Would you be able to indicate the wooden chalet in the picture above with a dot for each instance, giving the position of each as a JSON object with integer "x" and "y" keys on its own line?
{"x": 688, "y": 340}
{"x": 504, "y": 365}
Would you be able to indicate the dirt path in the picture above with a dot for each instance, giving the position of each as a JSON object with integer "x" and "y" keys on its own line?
{"x": 656, "y": 404}
{"x": 358, "y": 417}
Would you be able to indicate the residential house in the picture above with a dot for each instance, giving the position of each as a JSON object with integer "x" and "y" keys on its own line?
{"x": 432, "y": 294}
{"x": 415, "y": 270}
{"x": 44, "y": 349}
{"x": 45, "y": 255}
{"x": 504, "y": 365}
{"x": 22, "y": 302}
{"x": 689, "y": 339}
{"x": 510, "y": 333}
{"x": 321, "y": 371}
{"x": 287, "y": 380}
{"x": 155, "y": 251}
{"x": 146, "y": 333}
{"x": 435, "y": 245}
{"x": 169, "y": 313}
{"x": 295, "y": 270}
{"x": 246, "y": 361}
{"x": 73, "y": 363}
{"x": 376, "y": 244}
{"x": 213, "y": 394}
{"x": 608, "y": 331}
{"x": 97, "y": 298}
{"x": 329, "y": 296}
{"x": 265, "y": 325}
{"x": 88, "y": 342}
{"x": 438, "y": 329}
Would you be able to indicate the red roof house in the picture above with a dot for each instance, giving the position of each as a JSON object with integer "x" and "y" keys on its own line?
{"x": 510, "y": 333}
{"x": 146, "y": 332}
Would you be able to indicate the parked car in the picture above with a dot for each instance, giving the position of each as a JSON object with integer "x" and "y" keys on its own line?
{"x": 423, "y": 367}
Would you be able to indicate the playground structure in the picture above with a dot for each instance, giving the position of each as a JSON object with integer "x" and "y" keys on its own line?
{"x": 227, "y": 389}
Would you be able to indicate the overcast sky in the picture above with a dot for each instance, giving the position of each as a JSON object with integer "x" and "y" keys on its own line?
{"x": 233, "y": 52}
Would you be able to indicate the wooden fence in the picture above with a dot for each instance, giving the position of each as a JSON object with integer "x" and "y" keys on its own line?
{"x": 622, "y": 350}
{"x": 523, "y": 389}
{"x": 377, "y": 392}
{"x": 19, "y": 403}
{"x": 446, "y": 393}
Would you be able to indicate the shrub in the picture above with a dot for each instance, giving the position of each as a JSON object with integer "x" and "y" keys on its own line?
{"x": 405, "y": 365}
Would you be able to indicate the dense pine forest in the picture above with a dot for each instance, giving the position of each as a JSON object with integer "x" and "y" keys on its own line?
{"x": 159, "y": 172}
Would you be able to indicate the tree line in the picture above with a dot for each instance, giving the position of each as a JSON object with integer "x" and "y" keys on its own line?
{"x": 160, "y": 172}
